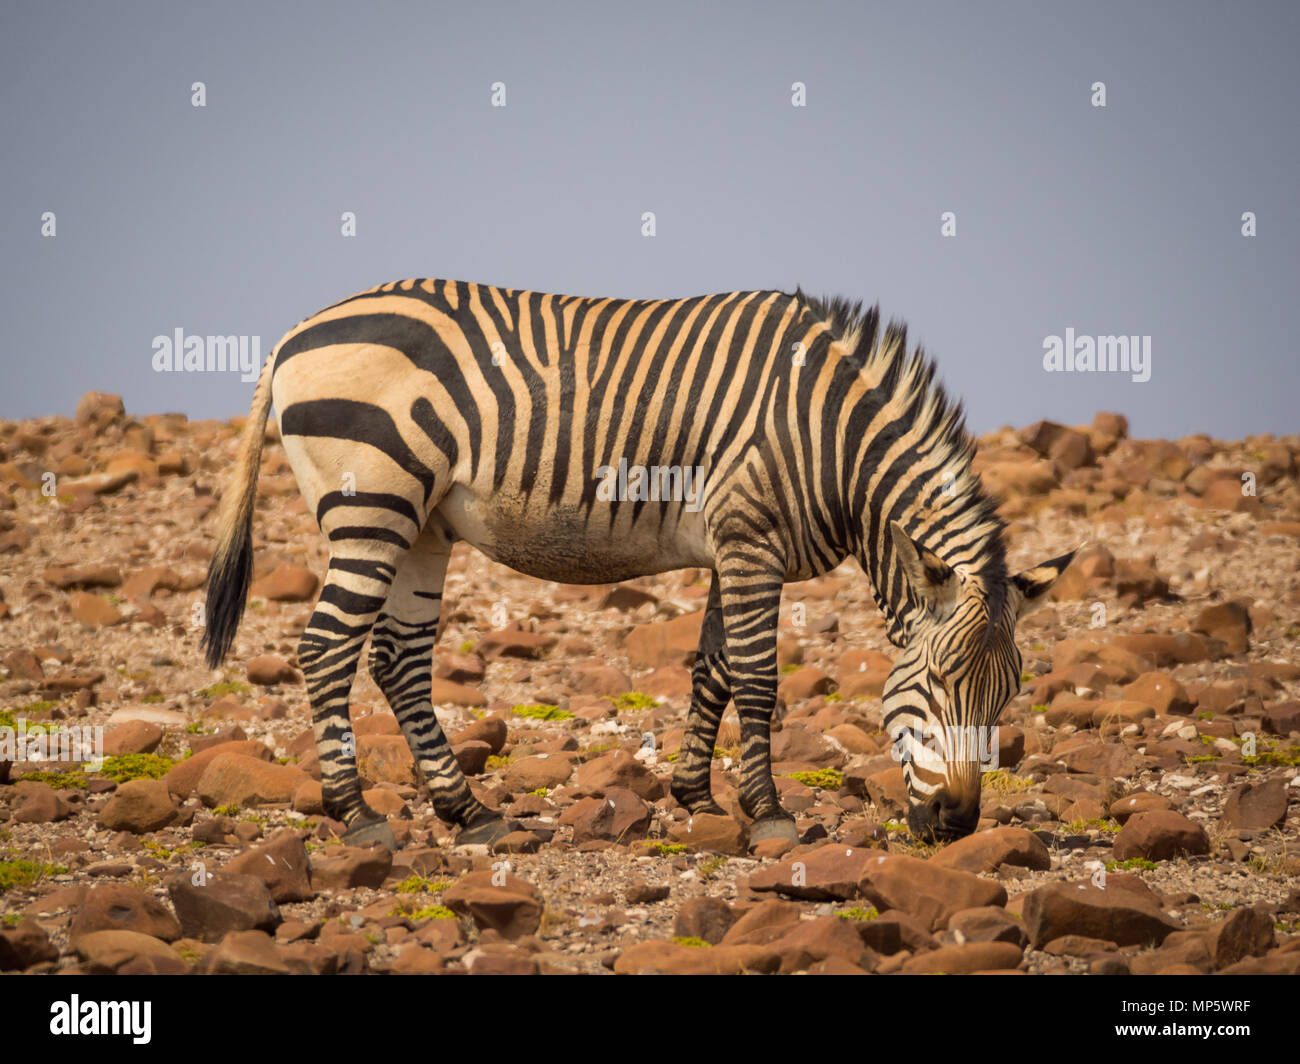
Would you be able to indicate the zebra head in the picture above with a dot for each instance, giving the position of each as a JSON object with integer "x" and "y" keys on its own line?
{"x": 958, "y": 669}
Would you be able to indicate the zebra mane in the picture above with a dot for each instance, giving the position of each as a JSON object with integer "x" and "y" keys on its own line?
{"x": 938, "y": 424}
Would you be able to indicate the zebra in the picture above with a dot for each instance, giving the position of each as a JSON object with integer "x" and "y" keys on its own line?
{"x": 459, "y": 411}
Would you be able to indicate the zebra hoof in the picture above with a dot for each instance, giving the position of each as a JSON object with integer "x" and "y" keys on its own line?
{"x": 774, "y": 827}
{"x": 485, "y": 833}
{"x": 369, "y": 833}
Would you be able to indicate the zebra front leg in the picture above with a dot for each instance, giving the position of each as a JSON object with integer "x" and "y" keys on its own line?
{"x": 751, "y": 602}
{"x": 401, "y": 662}
{"x": 710, "y": 693}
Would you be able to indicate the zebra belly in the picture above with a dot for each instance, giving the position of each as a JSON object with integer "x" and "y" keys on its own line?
{"x": 572, "y": 546}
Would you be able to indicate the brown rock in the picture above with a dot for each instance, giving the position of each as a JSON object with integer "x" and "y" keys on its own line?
{"x": 534, "y": 773}
{"x": 665, "y": 642}
{"x": 1160, "y": 691}
{"x": 236, "y": 779}
{"x": 281, "y": 864}
{"x": 121, "y": 907}
{"x": 514, "y": 643}
{"x": 1246, "y": 932}
{"x": 24, "y": 946}
{"x": 133, "y": 737}
{"x": 828, "y": 873}
{"x": 669, "y": 958}
{"x": 927, "y": 891}
{"x": 111, "y": 952}
{"x": 448, "y": 693}
{"x": 1229, "y": 621}
{"x": 39, "y": 803}
{"x": 810, "y": 941}
{"x": 344, "y": 867}
{"x": 619, "y": 816}
{"x": 512, "y": 908}
{"x": 987, "y": 851}
{"x": 1256, "y": 806}
{"x": 184, "y": 775}
{"x": 1143, "y": 802}
{"x": 384, "y": 759}
{"x": 286, "y": 583}
{"x": 618, "y": 769}
{"x": 268, "y": 669}
{"x": 471, "y": 756}
{"x": 139, "y": 806}
{"x": 708, "y": 833}
{"x": 1159, "y": 835}
{"x": 1120, "y": 916}
{"x": 93, "y": 610}
{"x": 491, "y": 730}
{"x": 246, "y": 953}
{"x": 209, "y": 904}
{"x": 704, "y": 918}
{"x": 962, "y": 960}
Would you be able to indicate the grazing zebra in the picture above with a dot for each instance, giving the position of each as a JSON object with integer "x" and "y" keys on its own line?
{"x": 422, "y": 412}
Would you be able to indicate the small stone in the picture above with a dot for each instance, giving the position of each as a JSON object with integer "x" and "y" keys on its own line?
{"x": 267, "y": 669}
{"x": 209, "y": 904}
{"x": 504, "y": 902}
{"x": 121, "y": 907}
{"x": 344, "y": 867}
{"x": 1256, "y": 806}
{"x": 286, "y": 583}
{"x": 282, "y": 864}
{"x": 138, "y": 806}
{"x": 1159, "y": 835}
{"x": 987, "y": 851}
{"x": 705, "y": 918}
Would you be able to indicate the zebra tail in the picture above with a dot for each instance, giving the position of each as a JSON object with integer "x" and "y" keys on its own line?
{"x": 231, "y": 569}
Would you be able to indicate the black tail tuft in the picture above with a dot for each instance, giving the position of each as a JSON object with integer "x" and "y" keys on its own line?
{"x": 229, "y": 577}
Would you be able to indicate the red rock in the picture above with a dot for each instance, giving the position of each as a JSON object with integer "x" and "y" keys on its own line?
{"x": 669, "y": 958}
{"x": 246, "y": 953}
{"x": 447, "y": 693}
{"x": 803, "y": 684}
{"x": 1166, "y": 650}
{"x": 987, "y": 851}
{"x": 344, "y": 867}
{"x": 709, "y": 833}
{"x": 39, "y": 803}
{"x": 1160, "y": 691}
{"x": 1256, "y": 806}
{"x": 1143, "y": 802}
{"x": 491, "y": 730}
{"x": 267, "y": 669}
{"x": 887, "y": 791}
{"x": 514, "y": 643}
{"x": 598, "y": 680}
{"x": 282, "y": 864}
{"x": 459, "y": 668}
{"x": 964, "y": 959}
{"x": 512, "y": 908}
{"x": 141, "y": 584}
{"x": 618, "y": 769}
{"x": 219, "y": 903}
{"x": 1229, "y": 621}
{"x": 93, "y": 610}
{"x": 64, "y": 577}
{"x": 796, "y": 744}
{"x": 384, "y": 759}
{"x": 1115, "y": 915}
{"x": 113, "y": 952}
{"x": 535, "y": 773}
{"x": 471, "y": 756}
{"x": 133, "y": 737}
{"x": 1246, "y": 932}
{"x": 139, "y": 806}
{"x": 24, "y": 946}
{"x": 987, "y": 924}
{"x": 665, "y": 642}
{"x": 184, "y": 775}
{"x": 286, "y": 583}
{"x": 121, "y": 907}
{"x": 705, "y": 918}
{"x": 925, "y": 890}
{"x": 828, "y": 873}
{"x": 619, "y": 816}
{"x": 1159, "y": 835}
{"x": 236, "y": 779}
{"x": 810, "y": 941}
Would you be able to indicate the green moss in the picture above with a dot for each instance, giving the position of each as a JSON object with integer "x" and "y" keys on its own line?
{"x": 1140, "y": 864}
{"x": 11, "y": 919}
{"x": 136, "y": 767}
{"x": 226, "y": 810}
{"x": 541, "y": 792}
{"x": 7, "y": 719}
{"x": 828, "y": 779}
{"x": 430, "y": 912}
{"x": 153, "y": 699}
{"x": 541, "y": 711}
{"x": 421, "y": 885}
{"x": 691, "y": 941}
{"x": 21, "y": 873}
{"x": 61, "y": 781}
{"x": 857, "y": 913}
{"x": 1205, "y": 715}
{"x": 1289, "y": 757}
{"x": 632, "y": 701}
{"x": 834, "y": 696}
{"x": 467, "y": 647}
{"x": 33, "y": 709}
{"x": 1079, "y": 827}
{"x": 1026, "y": 677}
{"x": 195, "y": 728}
{"x": 1000, "y": 781}
{"x": 786, "y": 670}
{"x": 710, "y": 866}
{"x": 1038, "y": 707}
{"x": 671, "y": 757}
{"x": 496, "y": 761}
{"x": 1201, "y": 758}
{"x": 666, "y": 849}
{"x": 226, "y": 687}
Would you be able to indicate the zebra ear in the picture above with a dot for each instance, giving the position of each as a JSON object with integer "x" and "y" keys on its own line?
{"x": 1034, "y": 584}
{"x": 932, "y": 580}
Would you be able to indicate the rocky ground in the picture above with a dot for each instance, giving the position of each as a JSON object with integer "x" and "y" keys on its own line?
{"x": 1141, "y": 820}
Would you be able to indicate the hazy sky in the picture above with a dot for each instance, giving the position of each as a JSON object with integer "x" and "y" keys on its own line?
{"x": 226, "y": 219}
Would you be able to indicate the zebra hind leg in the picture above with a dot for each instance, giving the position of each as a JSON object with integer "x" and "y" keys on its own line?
{"x": 710, "y": 693}
{"x": 401, "y": 662}
{"x": 329, "y": 653}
